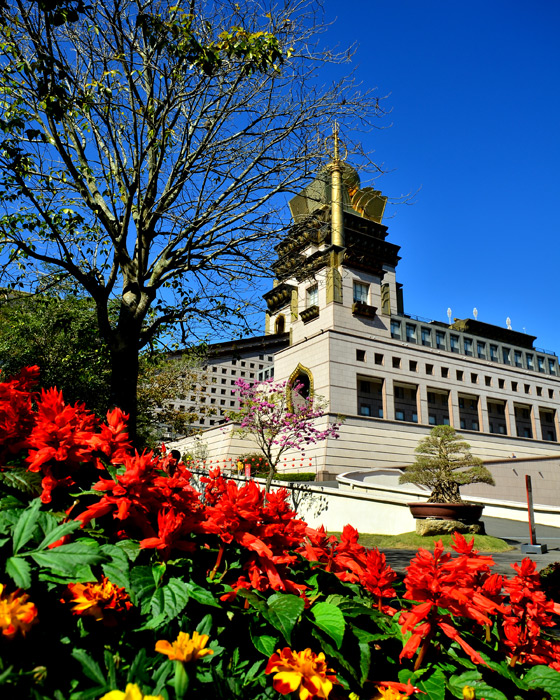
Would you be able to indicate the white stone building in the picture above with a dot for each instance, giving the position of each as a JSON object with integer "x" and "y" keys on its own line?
{"x": 390, "y": 375}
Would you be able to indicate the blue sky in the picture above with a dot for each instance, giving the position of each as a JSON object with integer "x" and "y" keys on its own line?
{"x": 475, "y": 101}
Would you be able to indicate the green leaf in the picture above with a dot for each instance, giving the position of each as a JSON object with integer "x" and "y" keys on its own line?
{"x": 158, "y": 572}
{"x": 58, "y": 532}
{"x": 90, "y": 667}
{"x": 130, "y": 548}
{"x": 546, "y": 678}
{"x": 474, "y": 679}
{"x": 331, "y": 620}
{"x": 143, "y": 586}
{"x": 181, "y": 681}
{"x": 283, "y": 612}
{"x": 364, "y": 639}
{"x": 434, "y": 685}
{"x": 25, "y": 525}
{"x": 205, "y": 625}
{"x": 69, "y": 558}
{"x": 20, "y": 571}
{"x": 265, "y": 643}
{"x": 201, "y": 595}
{"x": 117, "y": 569}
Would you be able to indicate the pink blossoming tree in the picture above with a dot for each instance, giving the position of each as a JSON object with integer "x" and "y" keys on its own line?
{"x": 279, "y": 418}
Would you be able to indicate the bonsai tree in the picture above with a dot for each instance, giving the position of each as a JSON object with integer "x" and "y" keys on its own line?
{"x": 444, "y": 463}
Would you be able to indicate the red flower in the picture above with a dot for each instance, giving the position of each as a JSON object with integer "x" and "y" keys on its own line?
{"x": 437, "y": 581}
{"x": 529, "y": 611}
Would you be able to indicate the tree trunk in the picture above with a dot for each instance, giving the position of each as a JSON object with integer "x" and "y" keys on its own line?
{"x": 446, "y": 492}
{"x": 124, "y": 382}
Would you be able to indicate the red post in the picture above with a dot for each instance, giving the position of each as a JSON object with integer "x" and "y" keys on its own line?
{"x": 532, "y": 531}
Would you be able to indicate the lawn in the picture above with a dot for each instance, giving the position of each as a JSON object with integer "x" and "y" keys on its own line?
{"x": 410, "y": 540}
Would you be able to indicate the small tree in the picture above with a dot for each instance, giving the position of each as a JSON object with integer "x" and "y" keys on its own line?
{"x": 444, "y": 463}
{"x": 278, "y": 423}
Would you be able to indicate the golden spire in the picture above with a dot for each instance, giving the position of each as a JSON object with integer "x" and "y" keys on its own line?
{"x": 337, "y": 228}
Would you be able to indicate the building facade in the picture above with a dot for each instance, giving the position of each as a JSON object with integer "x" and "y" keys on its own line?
{"x": 391, "y": 375}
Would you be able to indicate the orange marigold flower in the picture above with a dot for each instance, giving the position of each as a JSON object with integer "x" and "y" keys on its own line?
{"x": 304, "y": 670}
{"x": 390, "y": 690}
{"x": 185, "y": 648}
{"x": 101, "y": 600}
{"x": 16, "y": 613}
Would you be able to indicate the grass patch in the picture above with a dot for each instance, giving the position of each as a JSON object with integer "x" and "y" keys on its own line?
{"x": 410, "y": 540}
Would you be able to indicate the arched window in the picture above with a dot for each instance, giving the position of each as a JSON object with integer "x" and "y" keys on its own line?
{"x": 280, "y": 324}
{"x": 300, "y": 386}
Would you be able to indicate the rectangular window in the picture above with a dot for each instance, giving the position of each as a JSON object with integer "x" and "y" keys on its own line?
{"x": 454, "y": 343}
{"x": 396, "y": 330}
{"x": 396, "y": 362}
{"x": 494, "y": 353}
{"x": 530, "y": 364}
{"x": 429, "y": 369}
{"x": 311, "y": 298}
{"x": 481, "y": 350}
{"x": 361, "y": 355}
{"x": 468, "y": 347}
{"x": 410, "y": 333}
{"x": 517, "y": 358}
{"x": 415, "y": 418}
{"x": 378, "y": 359}
{"x": 514, "y": 386}
{"x": 488, "y": 381}
{"x": 432, "y": 420}
{"x": 474, "y": 378}
{"x": 427, "y": 337}
{"x": 460, "y": 375}
{"x": 501, "y": 383}
{"x": 445, "y": 372}
{"x": 413, "y": 366}
{"x": 365, "y": 410}
{"x": 551, "y": 393}
{"x": 361, "y": 292}
{"x": 440, "y": 340}
{"x": 506, "y": 356}
{"x": 399, "y": 415}
{"x": 539, "y": 391}
{"x": 527, "y": 388}
{"x": 540, "y": 363}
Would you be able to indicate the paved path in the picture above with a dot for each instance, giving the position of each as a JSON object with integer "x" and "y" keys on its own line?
{"x": 513, "y": 532}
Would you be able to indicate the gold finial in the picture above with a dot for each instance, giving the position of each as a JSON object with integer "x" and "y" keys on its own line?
{"x": 335, "y": 138}
{"x": 337, "y": 147}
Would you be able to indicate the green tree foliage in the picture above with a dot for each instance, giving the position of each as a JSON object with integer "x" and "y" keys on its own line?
{"x": 444, "y": 463}
{"x": 59, "y": 335}
{"x": 143, "y": 149}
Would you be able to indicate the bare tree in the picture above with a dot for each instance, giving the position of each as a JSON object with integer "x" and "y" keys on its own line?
{"x": 145, "y": 145}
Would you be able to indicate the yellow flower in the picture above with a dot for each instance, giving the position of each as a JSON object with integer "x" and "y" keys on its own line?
{"x": 16, "y": 614}
{"x": 469, "y": 693}
{"x": 304, "y": 670}
{"x": 132, "y": 692}
{"x": 185, "y": 648}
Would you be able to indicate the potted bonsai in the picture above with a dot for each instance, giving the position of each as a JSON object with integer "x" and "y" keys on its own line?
{"x": 444, "y": 464}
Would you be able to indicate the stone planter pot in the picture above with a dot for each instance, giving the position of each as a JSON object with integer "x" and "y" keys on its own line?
{"x": 462, "y": 512}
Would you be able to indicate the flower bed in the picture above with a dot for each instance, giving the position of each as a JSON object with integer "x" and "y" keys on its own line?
{"x": 120, "y": 580}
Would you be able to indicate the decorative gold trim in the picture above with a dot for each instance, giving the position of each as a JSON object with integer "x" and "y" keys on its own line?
{"x": 300, "y": 369}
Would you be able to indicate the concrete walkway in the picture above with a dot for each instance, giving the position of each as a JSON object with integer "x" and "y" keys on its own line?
{"x": 514, "y": 533}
